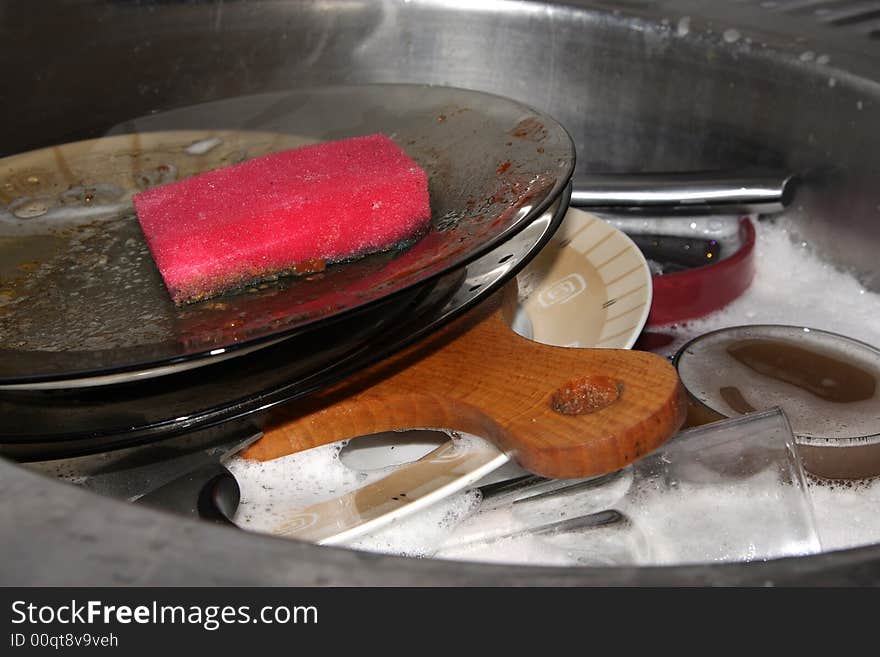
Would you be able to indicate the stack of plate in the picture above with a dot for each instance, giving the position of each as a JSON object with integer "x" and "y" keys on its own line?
{"x": 94, "y": 353}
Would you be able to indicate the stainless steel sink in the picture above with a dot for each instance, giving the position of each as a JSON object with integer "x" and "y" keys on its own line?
{"x": 641, "y": 86}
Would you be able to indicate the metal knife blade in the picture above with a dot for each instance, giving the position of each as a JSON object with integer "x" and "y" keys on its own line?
{"x": 445, "y": 470}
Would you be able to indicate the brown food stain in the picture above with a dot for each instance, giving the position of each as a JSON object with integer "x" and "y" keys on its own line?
{"x": 586, "y": 395}
{"x": 531, "y": 129}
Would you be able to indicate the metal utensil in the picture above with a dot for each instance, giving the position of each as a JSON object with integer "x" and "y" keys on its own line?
{"x": 694, "y": 499}
{"x": 416, "y": 485}
{"x": 180, "y": 475}
{"x": 440, "y": 473}
{"x": 706, "y": 192}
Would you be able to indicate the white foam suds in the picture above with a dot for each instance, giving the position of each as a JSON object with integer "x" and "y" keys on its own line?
{"x": 419, "y": 535}
{"x": 272, "y": 489}
{"x": 684, "y": 26}
{"x": 846, "y": 512}
{"x": 744, "y": 520}
{"x": 792, "y": 286}
{"x": 807, "y": 56}
{"x": 731, "y": 35}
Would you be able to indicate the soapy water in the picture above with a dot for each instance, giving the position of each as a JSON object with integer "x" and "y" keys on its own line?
{"x": 659, "y": 530}
{"x": 656, "y": 526}
{"x": 271, "y": 489}
{"x": 598, "y": 525}
{"x": 792, "y": 286}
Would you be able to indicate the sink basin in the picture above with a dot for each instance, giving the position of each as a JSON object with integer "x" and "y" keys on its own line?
{"x": 649, "y": 86}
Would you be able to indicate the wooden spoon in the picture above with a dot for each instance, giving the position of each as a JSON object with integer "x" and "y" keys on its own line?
{"x": 558, "y": 412}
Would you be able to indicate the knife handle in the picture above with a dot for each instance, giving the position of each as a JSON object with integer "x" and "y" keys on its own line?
{"x": 209, "y": 492}
{"x": 558, "y": 412}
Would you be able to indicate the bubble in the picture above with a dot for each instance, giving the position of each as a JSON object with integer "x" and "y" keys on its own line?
{"x": 92, "y": 195}
{"x": 31, "y": 207}
{"x": 683, "y": 27}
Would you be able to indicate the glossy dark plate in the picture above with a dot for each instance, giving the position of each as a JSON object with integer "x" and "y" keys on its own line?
{"x": 227, "y": 396}
{"x": 82, "y": 304}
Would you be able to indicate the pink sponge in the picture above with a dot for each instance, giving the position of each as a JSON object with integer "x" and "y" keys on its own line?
{"x": 289, "y": 212}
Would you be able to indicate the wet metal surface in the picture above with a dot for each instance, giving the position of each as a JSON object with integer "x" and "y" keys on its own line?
{"x": 671, "y": 85}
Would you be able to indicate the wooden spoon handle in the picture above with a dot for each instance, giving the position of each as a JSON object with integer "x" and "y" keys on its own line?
{"x": 559, "y": 412}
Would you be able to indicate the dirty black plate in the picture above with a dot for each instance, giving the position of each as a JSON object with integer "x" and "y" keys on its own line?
{"x": 82, "y": 303}
{"x": 230, "y": 396}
